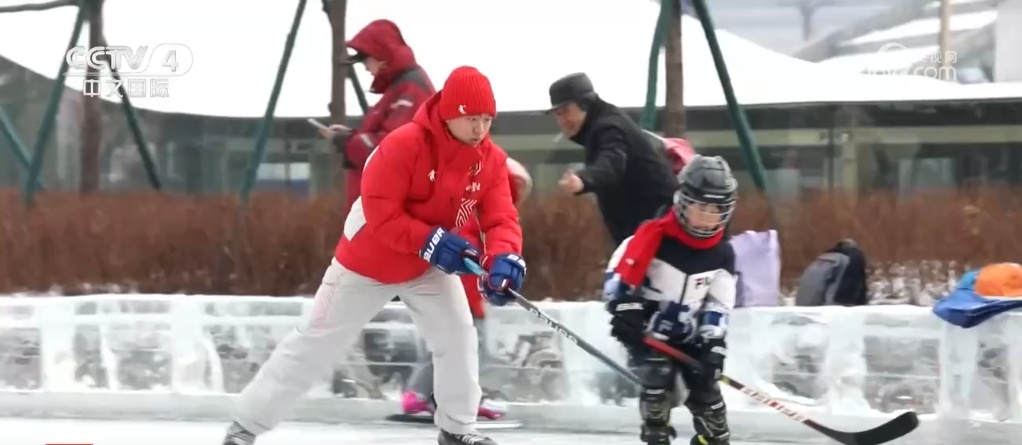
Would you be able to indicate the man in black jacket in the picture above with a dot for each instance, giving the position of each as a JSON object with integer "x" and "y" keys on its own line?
{"x": 631, "y": 179}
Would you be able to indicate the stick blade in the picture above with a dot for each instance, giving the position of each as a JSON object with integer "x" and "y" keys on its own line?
{"x": 893, "y": 429}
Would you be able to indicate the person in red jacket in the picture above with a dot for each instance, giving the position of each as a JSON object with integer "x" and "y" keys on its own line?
{"x": 521, "y": 187}
{"x": 423, "y": 182}
{"x": 417, "y": 396}
{"x": 404, "y": 86}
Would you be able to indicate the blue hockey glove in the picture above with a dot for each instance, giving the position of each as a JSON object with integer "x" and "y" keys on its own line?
{"x": 506, "y": 271}
{"x": 674, "y": 325}
{"x": 447, "y": 251}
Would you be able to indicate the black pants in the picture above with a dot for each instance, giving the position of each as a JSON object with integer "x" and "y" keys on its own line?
{"x": 660, "y": 393}
{"x": 703, "y": 391}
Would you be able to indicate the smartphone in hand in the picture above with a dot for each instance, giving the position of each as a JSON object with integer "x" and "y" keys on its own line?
{"x": 317, "y": 124}
{"x": 329, "y": 132}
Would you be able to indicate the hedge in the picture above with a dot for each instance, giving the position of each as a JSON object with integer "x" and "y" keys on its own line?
{"x": 166, "y": 243}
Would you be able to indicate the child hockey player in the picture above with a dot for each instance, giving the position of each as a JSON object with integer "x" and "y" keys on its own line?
{"x": 674, "y": 279}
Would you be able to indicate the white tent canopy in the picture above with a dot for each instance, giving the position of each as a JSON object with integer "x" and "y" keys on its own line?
{"x": 521, "y": 45}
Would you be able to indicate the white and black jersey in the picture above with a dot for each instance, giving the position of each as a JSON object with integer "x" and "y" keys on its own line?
{"x": 701, "y": 280}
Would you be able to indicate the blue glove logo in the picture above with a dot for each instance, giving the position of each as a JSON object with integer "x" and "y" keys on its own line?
{"x": 447, "y": 251}
{"x": 437, "y": 236}
{"x": 675, "y": 324}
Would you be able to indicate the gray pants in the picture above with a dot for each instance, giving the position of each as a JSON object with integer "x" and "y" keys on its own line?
{"x": 421, "y": 381}
{"x": 344, "y": 304}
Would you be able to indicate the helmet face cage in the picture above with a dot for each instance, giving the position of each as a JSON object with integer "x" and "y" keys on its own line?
{"x": 684, "y": 200}
{"x": 706, "y": 186}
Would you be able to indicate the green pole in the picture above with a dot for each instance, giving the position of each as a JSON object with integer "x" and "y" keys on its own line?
{"x": 136, "y": 129}
{"x": 17, "y": 145}
{"x": 735, "y": 109}
{"x": 267, "y": 124}
{"x": 143, "y": 147}
{"x": 361, "y": 95}
{"x": 38, "y": 6}
{"x": 50, "y": 115}
{"x": 648, "y": 119}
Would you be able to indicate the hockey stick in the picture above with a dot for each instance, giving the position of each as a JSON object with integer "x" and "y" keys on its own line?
{"x": 565, "y": 332}
{"x": 893, "y": 429}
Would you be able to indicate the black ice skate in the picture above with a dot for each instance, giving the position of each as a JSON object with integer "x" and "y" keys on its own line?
{"x": 699, "y": 439}
{"x": 463, "y": 439}
{"x": 236, "y": 435}
{"x": 657, "y": 435}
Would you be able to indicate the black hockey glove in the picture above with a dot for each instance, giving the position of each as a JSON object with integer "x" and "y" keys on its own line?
{"x": 712, "y": 352}
{"x": 628, "y": 319}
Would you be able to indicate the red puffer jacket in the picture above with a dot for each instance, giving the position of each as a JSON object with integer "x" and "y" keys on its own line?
{"x": 418, "y": 178}
{"x": 516, "y": 174}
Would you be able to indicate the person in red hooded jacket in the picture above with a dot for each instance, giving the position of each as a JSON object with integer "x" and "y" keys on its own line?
{"x": 417, "y": 395}
{"x": 404, "y": 86}
{"x": 423, "y": 182}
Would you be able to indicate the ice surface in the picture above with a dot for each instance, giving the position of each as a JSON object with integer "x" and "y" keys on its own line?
{"x": 42, "y": 432}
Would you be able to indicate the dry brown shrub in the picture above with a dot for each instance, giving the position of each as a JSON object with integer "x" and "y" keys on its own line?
{"x": 150, "y": 242}
{"x": 566, "y": 246}
{"x": 153, "y": 242}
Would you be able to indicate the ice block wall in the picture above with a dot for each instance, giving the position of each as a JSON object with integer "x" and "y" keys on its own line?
{"x": 840, "y": 362}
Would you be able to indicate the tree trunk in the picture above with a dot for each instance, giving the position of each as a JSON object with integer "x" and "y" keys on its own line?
{"x": 337, "y": 12}
{"x": 92, "y": 116}
{"x": 674, "y": 104}
{"x": 807, "y": 10}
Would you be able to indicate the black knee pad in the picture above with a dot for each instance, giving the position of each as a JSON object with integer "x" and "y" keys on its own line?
{"x": 656, "y": 371}
{"x": 710, "y": 421}
{"x": 657, "y": 397}
{"x": 702, "y": 394}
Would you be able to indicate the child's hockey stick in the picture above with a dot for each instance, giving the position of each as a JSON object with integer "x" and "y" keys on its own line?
{"x": 893, "y": 429}
{"x": 567, "y": 333}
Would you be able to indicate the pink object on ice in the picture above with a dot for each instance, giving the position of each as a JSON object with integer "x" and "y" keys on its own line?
{"x": 412, "y": 403}
{"x": 492, "y": 409}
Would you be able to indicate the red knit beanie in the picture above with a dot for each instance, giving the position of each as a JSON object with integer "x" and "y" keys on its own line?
{"x": 466, "y": 92}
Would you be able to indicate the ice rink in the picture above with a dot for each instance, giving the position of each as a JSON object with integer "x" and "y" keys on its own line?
{"x": 95, "y": 432}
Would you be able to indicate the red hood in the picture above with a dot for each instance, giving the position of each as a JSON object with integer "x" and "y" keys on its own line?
{"x": 428, "y": 116}
{"x": 382, "y": 40}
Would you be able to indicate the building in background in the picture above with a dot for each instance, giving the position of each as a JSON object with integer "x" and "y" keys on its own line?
{"x": 903, "y": 37}
{"x": 817, "y": 126}
{"x": 787, "y": 25}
